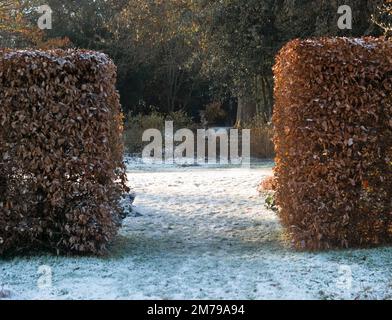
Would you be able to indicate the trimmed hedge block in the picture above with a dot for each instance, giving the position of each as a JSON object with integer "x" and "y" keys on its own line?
{"x": 333, "y": 137}
{"x": 61, "y": 168}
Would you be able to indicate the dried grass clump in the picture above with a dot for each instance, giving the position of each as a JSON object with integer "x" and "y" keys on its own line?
{"x": 333, "y": 137}
{"x": 61, "y": 168}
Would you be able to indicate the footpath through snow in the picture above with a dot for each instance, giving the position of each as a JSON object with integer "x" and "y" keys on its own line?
{"x": 204, "y": 233}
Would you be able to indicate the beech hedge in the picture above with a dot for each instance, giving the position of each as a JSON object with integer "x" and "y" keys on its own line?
{"x": 333, "y": 138}
{"x": 61, "y": 150}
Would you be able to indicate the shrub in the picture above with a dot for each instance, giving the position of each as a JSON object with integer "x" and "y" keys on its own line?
{"x": 267, "y": 184}
{"x": 333, "y": 137}
{"x": 261, "y": 137}
{"x": 266, "y": 189}
{"x": 214, "y": 113}
{"x": 61, "y": 169}
{"x": 270, "y": 202}
{"x": 137, "y": 124}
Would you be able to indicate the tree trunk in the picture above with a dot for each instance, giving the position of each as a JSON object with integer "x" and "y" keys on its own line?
{"x": 266, "y": 101}
{"x": 247, "y": 109}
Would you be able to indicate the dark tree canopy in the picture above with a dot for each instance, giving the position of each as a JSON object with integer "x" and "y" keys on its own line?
{"x": 185, "y": 54}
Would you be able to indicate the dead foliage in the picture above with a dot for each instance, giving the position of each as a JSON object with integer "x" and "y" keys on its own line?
{"x": 267, "y": 184}
{"x": 333, "y": 137}
{"x": 61, "y": 167}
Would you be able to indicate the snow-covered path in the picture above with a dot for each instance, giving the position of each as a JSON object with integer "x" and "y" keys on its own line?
{"x": 204, "y": 234}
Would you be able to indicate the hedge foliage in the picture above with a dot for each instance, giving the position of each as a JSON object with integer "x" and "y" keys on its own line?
{"x": 61, "y": 169}
{"x": 333, "y": 136}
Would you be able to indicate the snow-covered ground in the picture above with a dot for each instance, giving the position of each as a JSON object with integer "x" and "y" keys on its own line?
{"x": 204, "y": 234}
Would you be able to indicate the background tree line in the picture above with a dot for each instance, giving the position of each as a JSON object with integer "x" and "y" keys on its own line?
{"x": 188, "y": 54}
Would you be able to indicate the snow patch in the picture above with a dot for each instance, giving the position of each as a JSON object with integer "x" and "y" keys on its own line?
{"x": 204, "y": 233}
